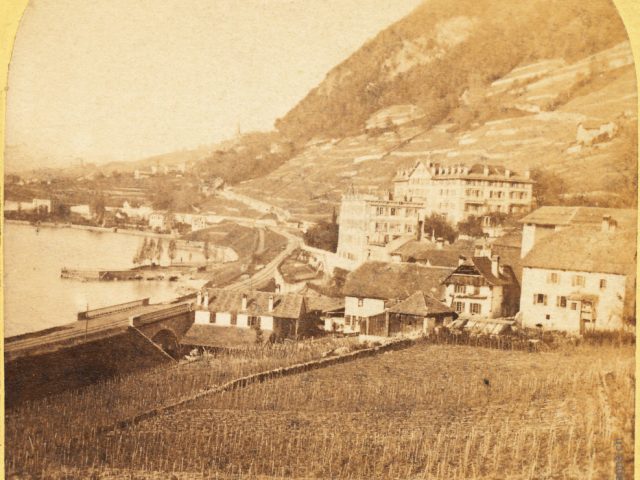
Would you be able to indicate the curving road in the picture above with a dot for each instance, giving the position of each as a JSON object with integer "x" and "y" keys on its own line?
{"x": 267, "y": 272}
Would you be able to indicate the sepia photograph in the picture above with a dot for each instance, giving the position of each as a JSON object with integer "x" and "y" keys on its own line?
{"x": 319, "y": 239}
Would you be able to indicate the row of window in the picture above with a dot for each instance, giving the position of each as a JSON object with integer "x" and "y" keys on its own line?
{"x": 561, "y": 301}
{"x": 393, "y": 211}
{"x": 576, "y": 280}
{"x": 474, "y": 308}
{"x": 468, "y": 289}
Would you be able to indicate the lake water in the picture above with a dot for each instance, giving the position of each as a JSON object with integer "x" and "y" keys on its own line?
{"x": 35, "y": 297}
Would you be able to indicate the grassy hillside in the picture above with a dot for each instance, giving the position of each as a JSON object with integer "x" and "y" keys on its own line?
{"x": 431, "y": 56}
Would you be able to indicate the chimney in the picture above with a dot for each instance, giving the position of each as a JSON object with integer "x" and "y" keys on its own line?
{"x": 205, "y": 300}
{"x": 608, "y": 224}
{"x": 495, "y": 265}
{"x": 198, "y": 298}
{"x": 277, "y": 288}
{"x": 485, "y": 171}
{"x": 244, "y": 301}
{"x": 507, "y": 173}
{"x": 461, "y": 259}
{"x": 271, "y": 303}
{"x": 527, "y": 173}
{"x": 440, "y": 243}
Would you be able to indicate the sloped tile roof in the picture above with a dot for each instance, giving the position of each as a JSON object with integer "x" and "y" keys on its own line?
{"x": 421, "y": 305}
{"x": 584, "y": 249}
{"x": 394, "y": 280}
{"x": 480, "y": 267}
{"x": 553, "y": 215}
{"x": 284, "y": 305}
{"x": 425, "y": 251}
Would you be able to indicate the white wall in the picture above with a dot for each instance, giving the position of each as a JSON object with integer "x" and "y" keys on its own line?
{"x": 242, "y": 320}
{"x": 202, "y": 317}
{"x": 266, "y": 322}
{"x": 486, "y": 301}
{"x": 608, "y": 309}
{"x": 223, "y": 319}
{"x": 370, "y": 306}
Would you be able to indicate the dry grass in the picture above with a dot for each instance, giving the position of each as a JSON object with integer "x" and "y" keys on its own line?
{"x": 47, "y": 431}
{"x": 424, "y": 412}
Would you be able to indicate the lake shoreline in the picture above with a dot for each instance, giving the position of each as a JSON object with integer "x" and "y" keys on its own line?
{"x": 125, "y": 231}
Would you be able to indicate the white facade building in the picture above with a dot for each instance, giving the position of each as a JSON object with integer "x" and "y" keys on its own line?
{"x": 579, "y": 279}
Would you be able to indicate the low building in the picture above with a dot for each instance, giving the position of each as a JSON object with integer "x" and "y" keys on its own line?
{"x": 277, "y": 315}
{"x": 417, "y": 314}
{"x": 375, "y": 286}
{"x": 579, "y": 279}
{"x": 590, "y": 133}
{"x": 483, "y": 288}
{"x": 433, "y": 254}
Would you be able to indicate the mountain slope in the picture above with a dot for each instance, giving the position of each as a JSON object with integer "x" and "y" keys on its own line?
{"x": 528, "y": 118}
{"x": 431, "y": 56}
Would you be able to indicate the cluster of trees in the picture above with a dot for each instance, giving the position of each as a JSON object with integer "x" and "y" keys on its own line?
{"x": 152, "y": 251}
{"x": 324, "y": 235}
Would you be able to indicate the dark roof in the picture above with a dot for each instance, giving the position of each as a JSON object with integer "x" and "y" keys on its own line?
{"x": 550, "y": 215}
{"x": 421, "y": 305}
{"x": 284, "y": 305}
{"x": 322, "y": 303}
{"x": 394, "y": 280}
{"x": 475, "y": 171}
{"x": 200, "y": 335}
{"x": 480, "y": 268}
{"x": 583, "y": 249}
{"x": 426, "y": 251}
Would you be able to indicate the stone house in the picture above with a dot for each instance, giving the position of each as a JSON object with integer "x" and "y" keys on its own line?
{"x": 579, "y": 279}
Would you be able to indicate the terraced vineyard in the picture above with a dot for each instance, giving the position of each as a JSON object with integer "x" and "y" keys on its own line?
{"x": 441, "y": 412}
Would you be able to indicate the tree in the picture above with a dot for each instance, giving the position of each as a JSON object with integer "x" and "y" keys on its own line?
{"x": 438, "y": 227}
{"x": 323, "y": 235}
{"x": 472, "y": 226}
{"x": 548, "y": 189}
{"x": 150, "y": 251}
{"x": 159, "y": 250}
{"x": 205, "y": 250}
{"x": 172, "y": 250}
{"x": 259, "y": 334}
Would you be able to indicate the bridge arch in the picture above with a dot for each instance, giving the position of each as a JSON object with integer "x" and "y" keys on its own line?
{"x": 168, "y": 341}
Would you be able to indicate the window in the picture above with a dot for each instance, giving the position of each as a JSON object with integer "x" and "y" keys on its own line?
{"x": 460, "y": 288}
{"x": 360, "y": 302}
{"x": 547, "y": 317}
{"x": 553, "y": 277}
{"x": 459, "y": 307}
{"x": 475, "y": 308}
{"x": 574, "y": 306}
{"x": 253, "y": 321}
{"x": 577, "y": 281}
{"x": 561, "y": 302}
{"x": 539, "y": 299}
{"x": 603, "y": 284}
{"x": 213, "y": 317}
{"x": 393, "y": 211}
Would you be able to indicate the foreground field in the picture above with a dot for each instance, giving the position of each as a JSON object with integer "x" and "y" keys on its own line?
{"x": 442, "y": 412}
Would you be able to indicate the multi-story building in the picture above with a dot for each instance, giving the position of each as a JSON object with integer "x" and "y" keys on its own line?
{"x": 459, "y": 191}
{"x": 369, "y": 223}
{"x": 580, "y": 278}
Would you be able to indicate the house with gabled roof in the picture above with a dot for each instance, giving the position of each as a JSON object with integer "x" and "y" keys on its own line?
{"x": 419, "y": 313}
{"x": 279, "y": 316}
{"x": 374, "y": 286}
{"x": 580, "y": 278}
{"x": 482, "y": 287}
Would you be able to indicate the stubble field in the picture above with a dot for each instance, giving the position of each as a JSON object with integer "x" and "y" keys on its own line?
{"x": 430, "y": 411}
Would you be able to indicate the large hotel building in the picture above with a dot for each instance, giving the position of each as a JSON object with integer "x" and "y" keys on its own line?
{"x": 369, "y": 223}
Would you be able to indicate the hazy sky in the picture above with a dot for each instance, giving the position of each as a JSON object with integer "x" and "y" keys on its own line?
{"x": 123, "y": 79}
